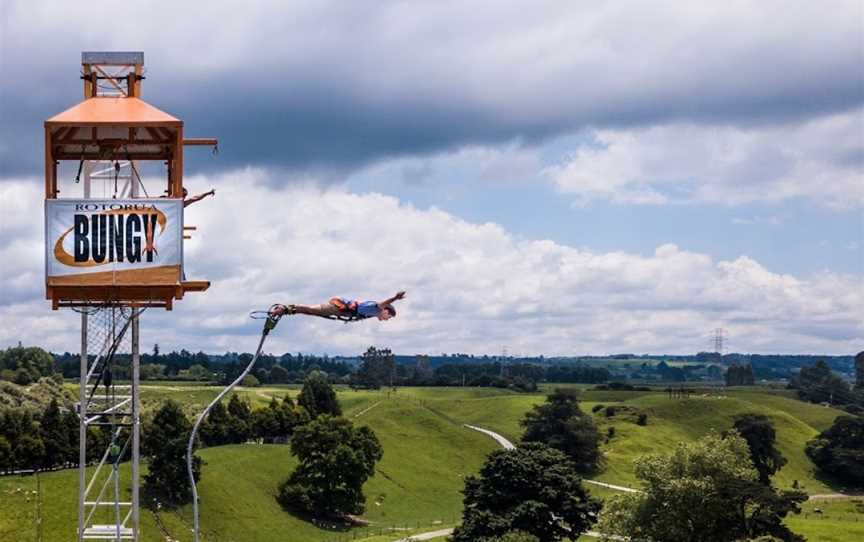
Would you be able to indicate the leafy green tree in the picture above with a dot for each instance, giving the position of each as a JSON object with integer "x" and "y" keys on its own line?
{"x": 152, "y": 371}
{"x": 29, "y": 452}
{"x": 705, "y": 491}
{"x": 278, "y": 374}
{"x": 215, "y": 429}
{"x": 817, "y": 384}
{"x": 561, "y": 424}
{"x": 164, "y": 443}
{"x": 533, "y": 488}
{"x": 265, "y": 422}
{"x": 27, "y": 364}
{"x": 859, "y": 370}
{"x": 5, "y": 454}
{"x": 71, "y": 430}
{"x": 239, "y": 420}
{"x": 839, "y": 450}
{"x": 22, "y": 433}
{"x": 318, "y": 396}
{"x": 740, "y": 375}
{"x": 54, "y": 437}
{"x": 377, "y": 368}
{"x": 336, "y": 459}
{"x": 759, "y": 433}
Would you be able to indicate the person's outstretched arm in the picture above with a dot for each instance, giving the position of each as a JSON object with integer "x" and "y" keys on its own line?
{"x": 389, "y": 301}
{"x": 189, "y": 201}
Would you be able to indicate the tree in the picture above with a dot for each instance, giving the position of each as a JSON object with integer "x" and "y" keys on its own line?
{"x": 5, "y": 454}
{"x": 336, "y": 459}
{"x": 561, "y": 424}
{"x": 278, "y": 374}
{"x": 318, "y": 396}
{"x": 215, "y": 429}
{"x": 740, "y": 375}
{"x": 266, "y": 423}
{"x": 376, "y": 368}
{"x": 533, "y": 488}
{"x": 71, "y": 428}
{"x": 239, "y": 420}
{"x": 817, "y": 384}
{"x": 713, "y": 476}
{"x": 27, "y": 364}
{"x": 839, "y": 450}
{"x": 164, "y": 443}
{"x": 859, "y": 371}
{"x": 54, "y": 437}
{"x": 759, "y": 433}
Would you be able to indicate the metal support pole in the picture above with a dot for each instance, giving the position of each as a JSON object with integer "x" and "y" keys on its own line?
{"x": 82, "y": 428}
{"x": 136, "y": 421}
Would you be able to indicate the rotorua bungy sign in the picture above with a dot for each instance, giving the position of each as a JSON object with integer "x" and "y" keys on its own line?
{"x": 90, "y": 236}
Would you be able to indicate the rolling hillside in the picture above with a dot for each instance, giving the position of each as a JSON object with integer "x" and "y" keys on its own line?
{"x": 427, "y": 453}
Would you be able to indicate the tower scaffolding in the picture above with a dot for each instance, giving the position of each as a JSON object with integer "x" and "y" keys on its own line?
{"x": 108, "y": 504}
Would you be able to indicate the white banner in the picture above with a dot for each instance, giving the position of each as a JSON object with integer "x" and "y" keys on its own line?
{"x": 90, "y": 235}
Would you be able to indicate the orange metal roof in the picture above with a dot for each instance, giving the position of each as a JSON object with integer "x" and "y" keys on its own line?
{"x": 119, "y": 111}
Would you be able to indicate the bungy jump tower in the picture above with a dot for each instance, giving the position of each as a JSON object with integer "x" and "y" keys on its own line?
{"x": 111, "y": 252}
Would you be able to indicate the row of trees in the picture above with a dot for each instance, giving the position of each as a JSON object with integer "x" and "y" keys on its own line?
{"x": 378, "y": 368}
{"x": 25, "y": 365}
{"x": 335, "y": 458}
{"x": 818, "y": 384}
{"x": 42, "y": 441}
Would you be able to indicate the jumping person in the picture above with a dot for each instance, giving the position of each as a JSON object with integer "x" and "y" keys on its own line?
{"x": 189, "y": 201}
{"x": 194, "y": 199}
{"x": 337, "y": 306}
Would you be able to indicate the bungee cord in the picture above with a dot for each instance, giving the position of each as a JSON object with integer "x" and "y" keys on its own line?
{"x": 270, "y": 318}
{"x": 270, "y": 322}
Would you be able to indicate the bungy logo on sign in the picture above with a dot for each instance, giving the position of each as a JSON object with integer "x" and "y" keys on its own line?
{"x": 86, "y": 235}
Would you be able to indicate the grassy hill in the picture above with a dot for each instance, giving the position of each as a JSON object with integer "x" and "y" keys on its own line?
{"x": 427, "y": 454}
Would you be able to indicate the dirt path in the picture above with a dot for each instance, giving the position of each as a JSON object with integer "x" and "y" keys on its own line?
{"x": 831, "y": 497}
{"x": 427, "y": 536}
{"x": 611, "y": 486}
{"x": 507, "y": 445}
{"x": 367, "y": 409}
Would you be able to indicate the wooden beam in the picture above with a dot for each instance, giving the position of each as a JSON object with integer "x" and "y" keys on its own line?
{"x": 154, "y": 134}
{"x": 111, "y": 80}
{"x": 138, "y": 68}
{"x": 62, "y": 155}
{"x": 201, "y": 142}
{"x": 177, "y": 177}
{"x": 50, "y": 179}
{"x": 88, "y": 84}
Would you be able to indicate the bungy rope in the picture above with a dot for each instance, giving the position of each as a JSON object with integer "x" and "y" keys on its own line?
{"x": 270, "y": 322}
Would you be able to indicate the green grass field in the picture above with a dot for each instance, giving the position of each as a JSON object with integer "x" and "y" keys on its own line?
{"x": 427, "y": 454}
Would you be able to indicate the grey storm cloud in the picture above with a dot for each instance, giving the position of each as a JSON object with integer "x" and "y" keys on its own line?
{"x": 327, "y": 87}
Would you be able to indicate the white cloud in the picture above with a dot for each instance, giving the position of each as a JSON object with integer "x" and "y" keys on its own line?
{"x": 820, "y": 159}
{"x": 472, "y": 287}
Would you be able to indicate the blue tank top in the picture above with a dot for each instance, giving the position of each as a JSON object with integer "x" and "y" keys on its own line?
{"x": 368, "y": 309}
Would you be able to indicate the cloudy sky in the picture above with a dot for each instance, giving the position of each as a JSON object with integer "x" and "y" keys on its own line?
{"x": 547, "y": 177}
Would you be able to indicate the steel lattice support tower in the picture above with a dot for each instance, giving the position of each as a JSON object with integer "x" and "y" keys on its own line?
{"x": 109, "y": 345}
{"x": 719, "y": 340}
